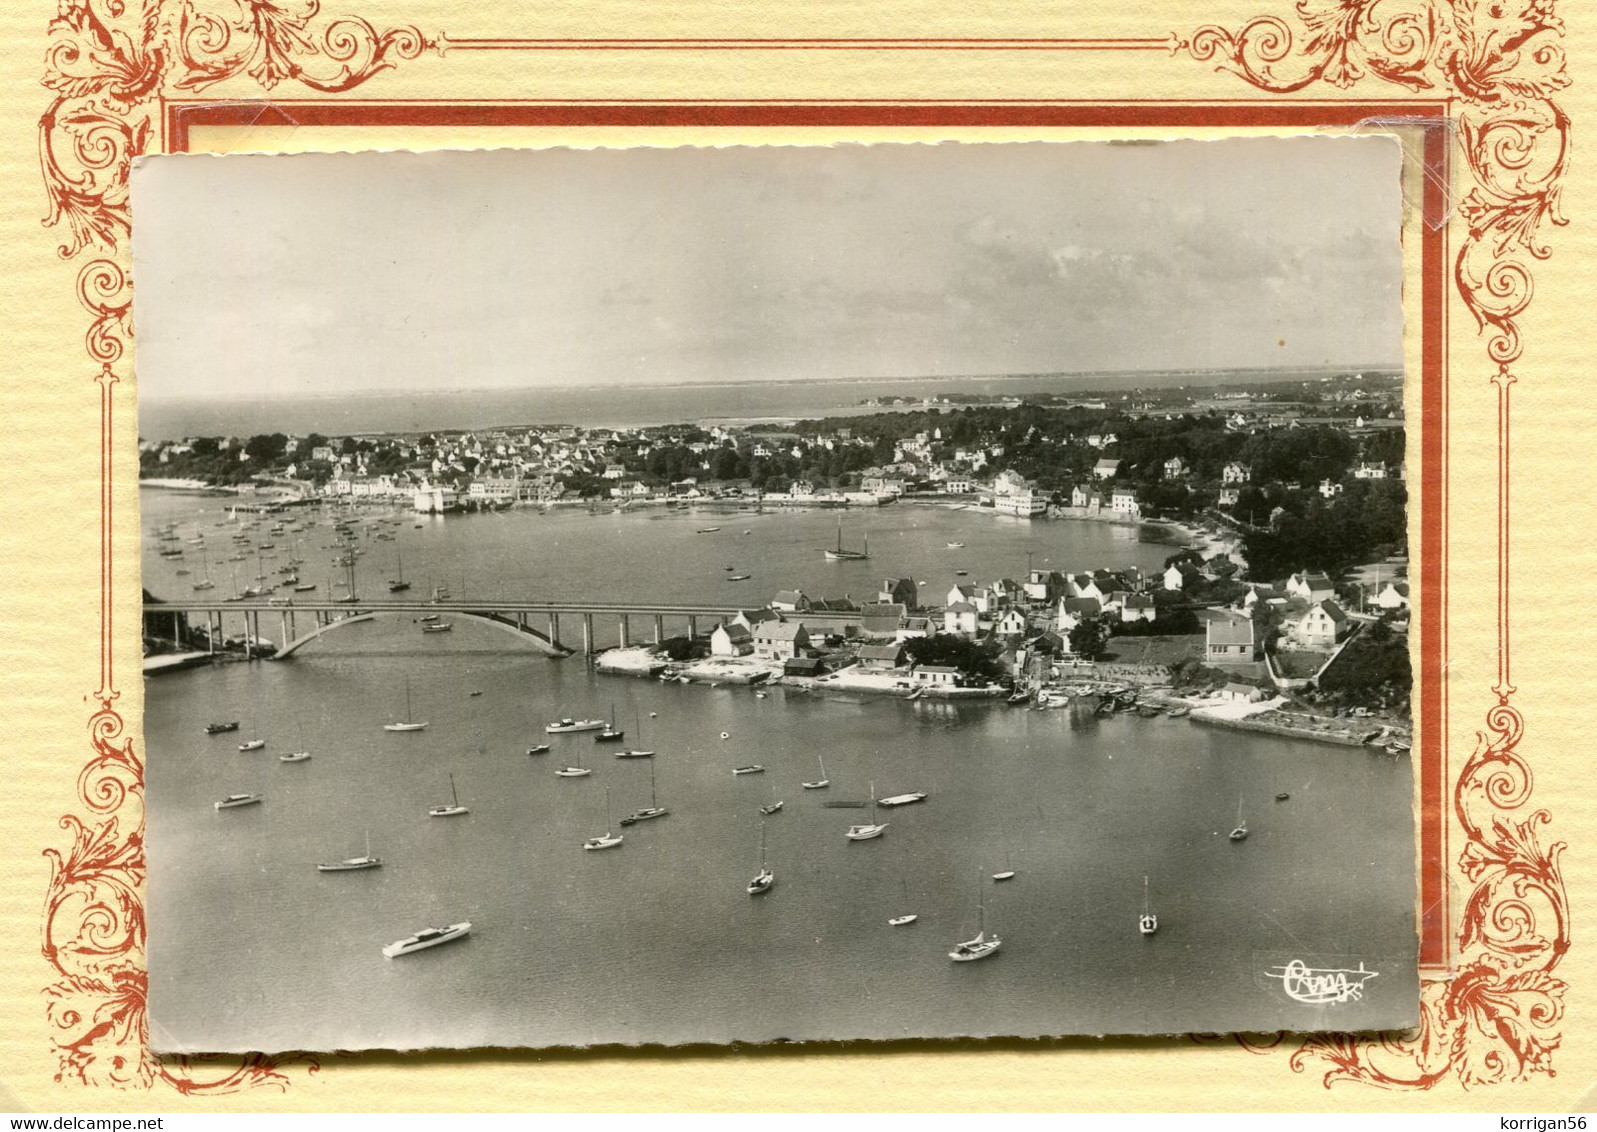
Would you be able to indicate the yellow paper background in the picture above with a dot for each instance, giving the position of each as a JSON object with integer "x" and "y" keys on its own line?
{"x": 50, "y": 618}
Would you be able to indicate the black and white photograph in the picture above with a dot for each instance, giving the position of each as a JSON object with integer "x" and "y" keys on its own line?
{"x": 662, "y": 596}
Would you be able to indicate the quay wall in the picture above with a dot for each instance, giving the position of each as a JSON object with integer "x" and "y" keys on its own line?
{"x": 1276, "y": 727}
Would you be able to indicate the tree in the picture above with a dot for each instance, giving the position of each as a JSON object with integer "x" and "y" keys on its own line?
{"x": 1088, "y": 638}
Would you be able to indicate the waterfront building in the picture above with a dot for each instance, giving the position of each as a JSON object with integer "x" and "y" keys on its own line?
{"x": 790, "y": 601}
{"x": 731, "y": 639}
{"x": 936, "y": 676}
{"x": 1023, "y": 503}
{"x": 880, "y": 658}
{"x": 1241, "y": 693}
{"x": 1008, "y": 482}
{"x": 1124, "y": 502}
{"x": 780, "y": 640}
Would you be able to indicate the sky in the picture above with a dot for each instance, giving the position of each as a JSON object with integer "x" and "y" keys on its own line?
{"x": 267, "y": 276}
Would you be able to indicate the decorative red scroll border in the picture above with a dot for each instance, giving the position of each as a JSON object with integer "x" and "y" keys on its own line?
{"x": 121, "y": 75}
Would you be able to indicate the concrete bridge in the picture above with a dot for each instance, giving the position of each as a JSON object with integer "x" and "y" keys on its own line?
{"x": 536, "y": 623}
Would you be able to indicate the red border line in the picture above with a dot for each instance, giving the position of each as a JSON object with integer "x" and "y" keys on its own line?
{"x": 1435, "y": 937}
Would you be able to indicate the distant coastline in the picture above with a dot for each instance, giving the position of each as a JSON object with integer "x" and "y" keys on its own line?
{"x": 614, "y": 406}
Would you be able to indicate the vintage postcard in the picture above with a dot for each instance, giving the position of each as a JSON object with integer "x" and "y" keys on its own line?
{"x": 925, "y": 300}
{"x": 807, "y": 593}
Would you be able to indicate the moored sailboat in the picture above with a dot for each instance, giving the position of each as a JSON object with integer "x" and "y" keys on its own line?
{"x": 407, "y": 724}
{"x": 605, "y": 840}
{"x": 454, "y": 808}
{"x": 352, "y": 864}
{"x": 822, "y": 782}
{"x": 765, "y": 878}
{"x": 866, "y": 831}
{"x": 652, "y": 810}
{"x": 981, "y": 945}
{"x": 841, "y": 555}
{"x": 1147, "y": 923}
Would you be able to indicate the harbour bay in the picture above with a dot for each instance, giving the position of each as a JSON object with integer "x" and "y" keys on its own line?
{"x": 657, "y": 942}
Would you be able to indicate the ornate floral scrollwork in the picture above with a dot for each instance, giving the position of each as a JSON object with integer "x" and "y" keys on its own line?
{"x": 108, "y": 64}
{"x": 1501, "y": 63}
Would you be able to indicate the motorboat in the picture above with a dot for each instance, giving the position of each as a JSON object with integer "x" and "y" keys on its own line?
{"x": 568, "y": 725}
{"x": 352, "y": 864}
{"x": 427, "y": 937}
{"x": 1282, "y": 796}
{"x": 900, "y": 921}
{"x": 294, "y": 757}
{"x": 632, "y": 753}
{"x": 902, "y": 799}
{"x": 540, "y": 749}
{"x": 252, "y": 745}
{"x": 439, "y": 627}
{"x": 221, "y": 728}
{"x": 752, "y": 768}
{"x": 573, "y": 772}
{"x": 234, "y": 800}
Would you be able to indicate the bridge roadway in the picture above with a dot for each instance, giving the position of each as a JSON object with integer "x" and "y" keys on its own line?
{"x": 328, "y": 615}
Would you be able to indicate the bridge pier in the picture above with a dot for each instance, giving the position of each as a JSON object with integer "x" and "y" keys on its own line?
{"x": 587, "y": 634}
{"x": 554, "y": 627}
{"x": 693, "y": 627}
{"x": 659, "y": 629}
{"x": 623, "y": 634}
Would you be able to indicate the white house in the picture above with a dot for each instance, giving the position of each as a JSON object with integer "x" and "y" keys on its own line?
{"x": 1393, "y": 595}
{"x": 1310, "y": 587}
{"x": 1322, "y": 626}
{"x": 1009, "y": 481}
{"x": 1235, "y": 473}
{"x": 1124, "y": 501}
{"x": 1329, "y": 489}
{"x": 780, "y": 640}
{"x": 1375, "y": 471}
{"x": 1229, "y": 640}
{"x": 960, "y": 618}
{"x": 731, "y": 639}
{"x": 1138, "y": 607}
{"x": 936, "y": 676}
{"x": 1024, "y": 503}
{"x": 1229, "y": 496}
{"x": 1175, "y": 468}
{"x": 1012, "y": 624}
{"x": 790, "y": 601}
{"x": 1106, "y": 469}
{"x": 962, "y": 592}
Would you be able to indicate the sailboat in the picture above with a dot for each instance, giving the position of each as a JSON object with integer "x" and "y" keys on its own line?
{"x": 652, "y": 810}
{"x": 841, "y": 555}
{"x": 611, "y": 732}
{"x": 454, "y": 809}
{"x": 205, "y": 582}
{"x": 982, "y": 944}
{"x": 822, "y": 782}
{"x": 775, "y": 805}
{"x": 907, "y": 917}
{"x": 1240, "y": 833}
{"x": 350, "y": 864}
{"x": 399, "y": 585}
{"x": 765, "y": 878}
{"x": 407, "y": 725}
{"x": 634, "y": 752}
{"x": 300, "y": 755}
{"x": 1147, "y": 923}
{"x": 1008, "y": 872}
{"x": 575, "y": 770}
{"x": 867, "y": 830}
{"x": 605, "y": 840}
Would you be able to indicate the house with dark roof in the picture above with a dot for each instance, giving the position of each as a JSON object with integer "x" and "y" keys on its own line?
{"x": 1138, "y": 607}
{"x": 1310, "y": 587}
{"x": 1074, "y": 610}
{"x": 731, "y": 639}
{"x": 881, "y": 658}
{"x": 900, "y": 591}
{"x": 1322, "y": 626}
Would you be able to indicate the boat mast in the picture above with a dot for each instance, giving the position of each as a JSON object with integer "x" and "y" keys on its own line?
{"x": 453, "y": 793}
